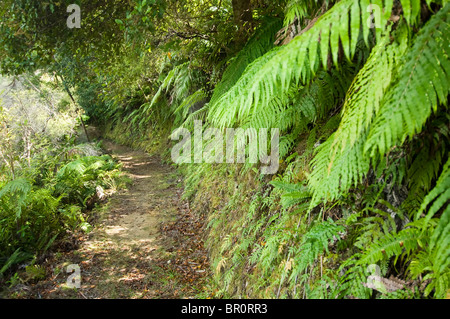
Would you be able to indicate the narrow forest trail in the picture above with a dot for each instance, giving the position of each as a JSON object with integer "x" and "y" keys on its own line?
{"x": 127, "y": 255}
{"x": 120, "y": 253}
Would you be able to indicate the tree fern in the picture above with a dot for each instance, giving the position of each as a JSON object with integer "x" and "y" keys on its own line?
{"x": 222, "y": 115}
{"x": 363, "y": 98}
{"x": 274, "y": 73}
{"x": 341, "y": 160}
{"x": 420, "y": 86}
{"x": 365, "y": 102}
{"x": 305, "y": 104}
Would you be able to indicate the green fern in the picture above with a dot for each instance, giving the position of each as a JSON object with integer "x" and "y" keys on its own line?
{"x": 182, "y": 111}
{"x": 299, "y": 9}
{"x": 425, "y": 167}
{"x": 440, "y": 195}
{"x": 314, "y": 243}
{"x": 260, "y": 43}
{"x": 366, "y": 92}
{"x": 18, "y": 190}
{"x": 346, "y": 157}
{"x": 402, "y": 294}
{"x": 390, "y": 245}
{"x": 275, "y": 72}
{"x": 351, "y": 281}
{"x": 421, "y": 85}
{"x": 433, "y": 262}
{"x": 17, "y": 257}
{"x": 341, "y": 160}
{"x": 292, "y": 193}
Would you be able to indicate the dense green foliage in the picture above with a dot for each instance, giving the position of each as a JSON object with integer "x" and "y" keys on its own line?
{"x": 48, "y": 182}
{"x": 361, "y": 101}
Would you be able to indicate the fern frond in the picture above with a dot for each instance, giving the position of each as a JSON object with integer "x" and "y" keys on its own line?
{"x": 183, "y": 109}
{"x": 275, "y": 72}
{"x": 401, "y": 294}
{"x": 74, "y": 169}
{"x": 425, "y": 167}
{"x": 366, "y": 92}
{"x": 421, "y": 85}
{"x": 19, "y": 190}
{"x": 19, "y": 185}
{"x": 440, "y": 284}
{"x": 225, "y": 112}
{"x": 351, "y": 283}
{"x": 341, "y": 160}
{"x": 440, "y": 244}
{"x": 411, "y": 10}
{"x": 291, "y": 193}
{"x": 178, "y": 77}
{"x": 257, "y": 46}
{"x": 199, "y": 115}
{"x": 433, "y": 263}
{"x": 298, "y": 10}
{"x": 391, "y": 244}
{"x": 346, "y": 169}
{"x": 314, "y": 243}
{"x": 440, "y": 195}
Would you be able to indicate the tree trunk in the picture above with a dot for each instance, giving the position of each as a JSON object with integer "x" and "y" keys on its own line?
{"x": 243, "y": 18}
{"x": 27, "y": 146}
{"x": 9, "y": 161}
{"x": 74, "y": 102}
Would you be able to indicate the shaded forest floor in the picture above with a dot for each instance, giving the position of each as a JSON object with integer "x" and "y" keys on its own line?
{"x": 145, "y": 242}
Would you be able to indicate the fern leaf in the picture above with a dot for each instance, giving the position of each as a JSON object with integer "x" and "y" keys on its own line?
{"x": 440, "y": 195}
{"x": 314, "y": 243}
{"x": 351, "y": 283}
{"x": 341, "y": 161}
{"x": 440, "y": 242}
{"x": 366, "y": 92}
{"x": 329, "y": 181}
{"x": 274, "y": 73}
{"x": 257, "y": 46}
{"x": 19, "y": 189}
{"x": 298, "y": 9}
{"x": 292, "y": 193}
{"x": 422, "y": 83}
{"x": 390, "y": 245}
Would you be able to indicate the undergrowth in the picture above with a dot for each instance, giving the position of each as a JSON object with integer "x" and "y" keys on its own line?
{"x": 50, "y": 202}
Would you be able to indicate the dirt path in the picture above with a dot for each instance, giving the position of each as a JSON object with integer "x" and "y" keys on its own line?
{"x": 123, "y": 248}
{"x": 139, "y": 247}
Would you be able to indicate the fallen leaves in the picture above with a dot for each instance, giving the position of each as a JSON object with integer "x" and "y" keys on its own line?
{"x": 188, "y": 256}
